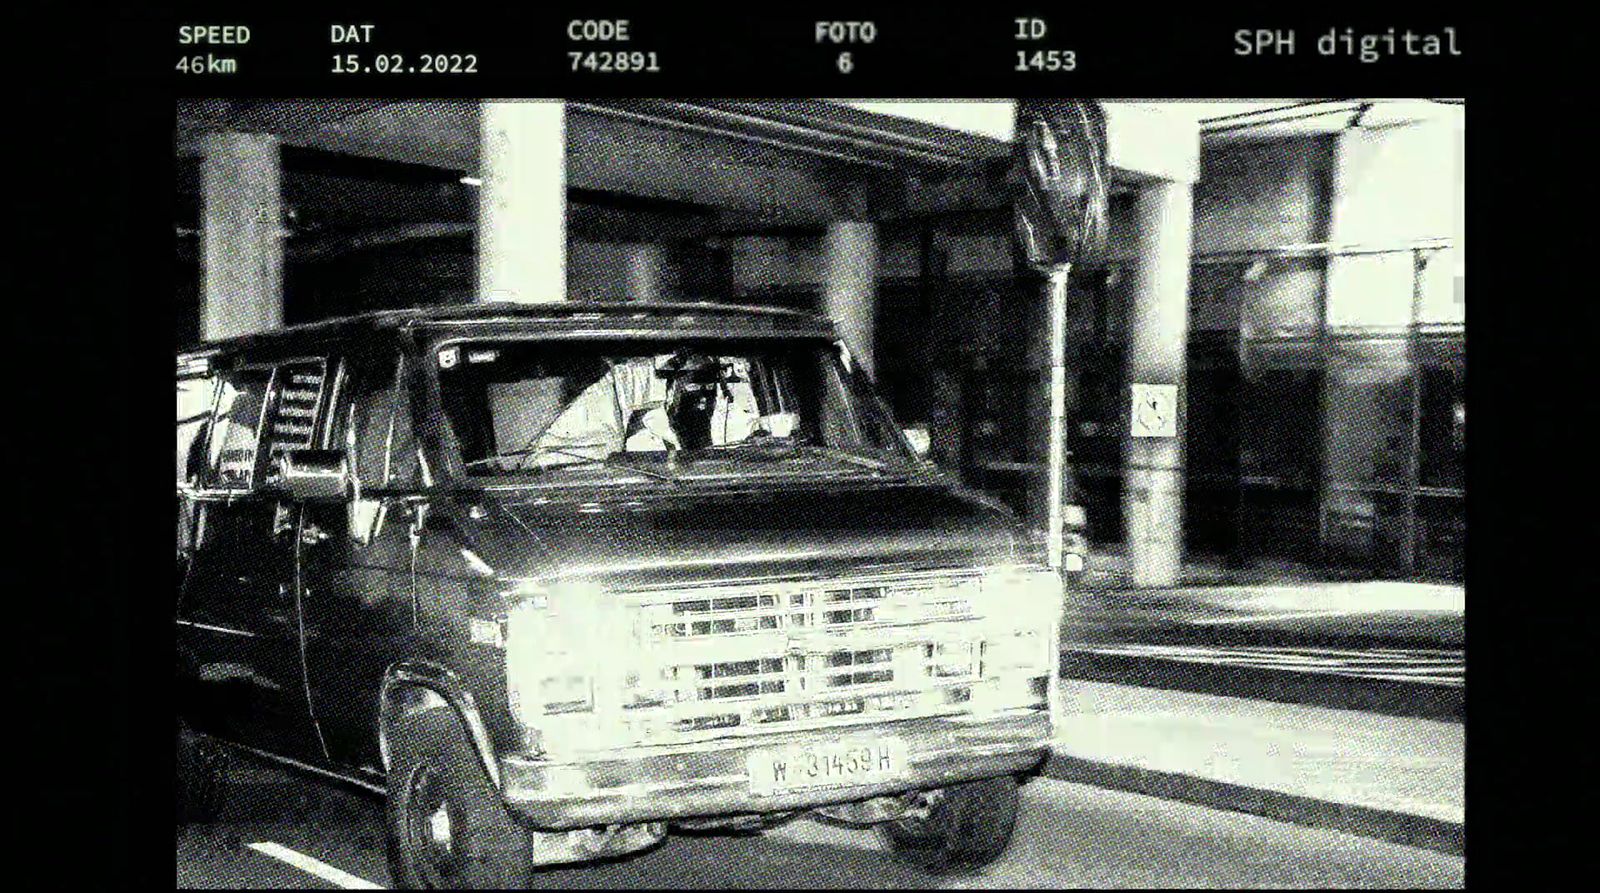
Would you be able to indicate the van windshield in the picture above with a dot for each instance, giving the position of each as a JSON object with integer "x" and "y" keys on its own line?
{"x": 570, "y": 411}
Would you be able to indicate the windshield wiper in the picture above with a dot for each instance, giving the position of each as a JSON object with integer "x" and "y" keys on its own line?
{"x": 852, "y": 458}
{"x": 474, "y": 463}
{"x": 610, "y": 461}
{"x": 783, "y": 447}
{"x": 614, "y": 462}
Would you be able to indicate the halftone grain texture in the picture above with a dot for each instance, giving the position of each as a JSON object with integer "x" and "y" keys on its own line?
{"x": 1070, "y": 835}
{"x": 1321, "y": 436}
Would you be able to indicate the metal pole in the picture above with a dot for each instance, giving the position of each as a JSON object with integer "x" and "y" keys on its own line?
{"x": 1058, "y": 411}
{"x": 1408, "y": 554}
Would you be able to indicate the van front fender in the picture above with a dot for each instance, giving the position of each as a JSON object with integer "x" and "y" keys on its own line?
{"x": 412, "y": 686}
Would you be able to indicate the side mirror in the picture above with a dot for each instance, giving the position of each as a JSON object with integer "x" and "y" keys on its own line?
{"x": 920, "y": 440}
{"x": 311, "y": 475}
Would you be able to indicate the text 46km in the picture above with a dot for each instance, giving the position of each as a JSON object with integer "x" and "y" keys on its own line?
{"x": 207, "y": 63}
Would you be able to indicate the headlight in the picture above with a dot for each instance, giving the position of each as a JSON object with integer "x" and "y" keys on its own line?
{"x": 1022, "y": 617}
{"x": 1008, "y": 591}
{"x": 550, "y": 654}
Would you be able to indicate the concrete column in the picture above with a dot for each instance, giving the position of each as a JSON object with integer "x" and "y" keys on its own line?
{"x": 647, "y": 273}
{"x": 850, "y": 285}
{"x": 1158, "y": 324}
{"x": 522, "y": 204}
{"x": 242, "y": 235}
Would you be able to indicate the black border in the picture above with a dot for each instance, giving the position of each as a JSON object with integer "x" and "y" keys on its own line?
{"x": 99, "y": 277}
{"x": 772, "y": 51}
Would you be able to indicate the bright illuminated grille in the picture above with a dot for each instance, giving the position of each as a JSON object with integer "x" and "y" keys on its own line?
{"x": 873, "y": 659}
{"x": 741, "y": 679}
{"x": 898, "y": 602}
{"x": 945, "y": 660}
{"x": 719, "y": 616}
{"x": 779, "y": 675}
{"x": 782, "y": 667}
{"x": 855, "y": 605}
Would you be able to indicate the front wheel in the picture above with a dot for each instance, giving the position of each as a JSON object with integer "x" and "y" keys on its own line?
{"x": 963, "y": 827}
{"x": 447, "y": 828}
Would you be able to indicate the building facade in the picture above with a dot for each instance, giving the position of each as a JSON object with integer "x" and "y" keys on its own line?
{"x": 1323, "y": 411}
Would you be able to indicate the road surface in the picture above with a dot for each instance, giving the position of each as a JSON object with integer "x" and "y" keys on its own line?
{"x": 281, "y": 831}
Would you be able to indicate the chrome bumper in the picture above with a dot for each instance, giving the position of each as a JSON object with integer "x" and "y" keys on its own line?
{"x": 656, "y": 784}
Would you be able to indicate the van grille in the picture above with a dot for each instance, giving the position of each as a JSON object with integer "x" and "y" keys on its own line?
{"x": 829, "y": 608}
{"x": 807, "y": 653}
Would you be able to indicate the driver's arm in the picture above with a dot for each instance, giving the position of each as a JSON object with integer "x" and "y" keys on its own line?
{"x": 649, "y": 429}
{"x": 588, "y": 426}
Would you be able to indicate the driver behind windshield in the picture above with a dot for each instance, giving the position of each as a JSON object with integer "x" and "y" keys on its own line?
{"x": 710, "y": 402}
{"x": 648, "y": 404}
{"x": 515, "y": 408}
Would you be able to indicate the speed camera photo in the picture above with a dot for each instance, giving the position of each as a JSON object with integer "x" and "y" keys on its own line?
{"x": 819, "y": 493}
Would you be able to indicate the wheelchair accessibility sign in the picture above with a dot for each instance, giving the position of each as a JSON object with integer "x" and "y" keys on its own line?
{"x": 1155, "y": 410}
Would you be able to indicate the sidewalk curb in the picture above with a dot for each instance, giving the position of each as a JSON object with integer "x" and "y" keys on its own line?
{"x": 1395, "y": 827}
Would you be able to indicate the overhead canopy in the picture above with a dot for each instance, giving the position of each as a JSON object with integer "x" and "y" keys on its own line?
{"x": 770, "y": 163}
{"x": 1146, "y": 141}
{"x": 1157, "y": 138}
{"x": 641, "y": 167}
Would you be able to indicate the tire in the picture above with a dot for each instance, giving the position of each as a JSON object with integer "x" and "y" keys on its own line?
{"x": 446, "y": 827}
{"x": 968, "y": 826}
{"x": 202, "y": 777}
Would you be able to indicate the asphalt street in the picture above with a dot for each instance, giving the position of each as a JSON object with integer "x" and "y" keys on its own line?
{"x": 281, "y": 831}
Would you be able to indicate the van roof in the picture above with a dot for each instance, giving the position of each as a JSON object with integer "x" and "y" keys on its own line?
{"x": 560, "y": 316}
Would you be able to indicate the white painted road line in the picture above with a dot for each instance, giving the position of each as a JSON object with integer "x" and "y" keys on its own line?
{"x": 1366, "y": 653}
{"x": 316, "y": 867}
{"x": 1264, "y": 618}
{"x": 1437, "y": 667}
{"x": 1450, "y": 681}
{"x": 1207, "y": 653}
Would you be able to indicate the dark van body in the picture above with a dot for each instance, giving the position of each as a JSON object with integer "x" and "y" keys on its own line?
{"x": 396, "y": 568}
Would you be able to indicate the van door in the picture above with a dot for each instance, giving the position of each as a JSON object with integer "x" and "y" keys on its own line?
{"x": 355, "y": 563}
{"x": 238, "y": 627}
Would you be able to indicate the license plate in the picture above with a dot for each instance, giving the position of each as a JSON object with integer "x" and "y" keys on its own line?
{"x": 777, "y": 770}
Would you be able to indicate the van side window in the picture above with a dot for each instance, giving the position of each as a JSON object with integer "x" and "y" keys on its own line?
{"x": 236, "y": 429}
{"x": 195, "y": 396}
{"x": 296, "y": 407}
